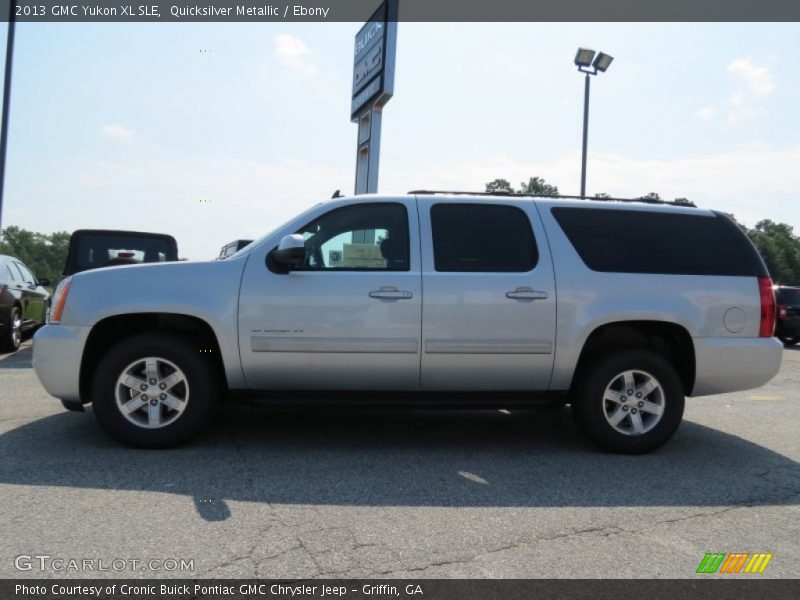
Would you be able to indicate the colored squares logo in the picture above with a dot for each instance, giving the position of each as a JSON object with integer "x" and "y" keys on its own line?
{"x": 734, "y": 562}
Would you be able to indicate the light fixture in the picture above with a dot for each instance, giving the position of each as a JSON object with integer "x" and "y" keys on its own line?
{"x": 584, "y": 57}
{"x": 602, "y": 61}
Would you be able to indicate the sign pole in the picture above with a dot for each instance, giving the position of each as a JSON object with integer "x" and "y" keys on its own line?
{"x": 373, "y": 86}
{"x": 6, "y": 102}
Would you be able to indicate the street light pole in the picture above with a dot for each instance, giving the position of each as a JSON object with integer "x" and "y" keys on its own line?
{"x": 6, "y": 102}
{"x": 585, "y": 133}
{"x": 588, "y": 63}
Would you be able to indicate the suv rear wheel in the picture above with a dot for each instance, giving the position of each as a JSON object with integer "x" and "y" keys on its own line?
{"x": 790, "y": 340}
{"x": 154, "y": 391}
{"x": 630, "y": 401}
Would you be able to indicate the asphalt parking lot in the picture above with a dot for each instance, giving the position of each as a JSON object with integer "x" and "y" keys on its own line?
{"x": 369, "y": 493}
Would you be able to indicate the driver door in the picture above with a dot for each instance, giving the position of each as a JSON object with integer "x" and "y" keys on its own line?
{"x": 350, "y": 317}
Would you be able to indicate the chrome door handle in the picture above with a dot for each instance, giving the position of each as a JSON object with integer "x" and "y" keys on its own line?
{"x": 388, "y": 292}
{"x": 526, "y": 293}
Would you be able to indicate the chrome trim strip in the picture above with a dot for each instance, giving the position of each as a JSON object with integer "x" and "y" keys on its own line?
{"x": 309, "y": 344}
{"x": 488, "y": 347}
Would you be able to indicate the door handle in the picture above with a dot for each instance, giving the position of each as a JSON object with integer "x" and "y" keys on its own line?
{"x": 526, "y": 293}
{"x": 388, "y": 292}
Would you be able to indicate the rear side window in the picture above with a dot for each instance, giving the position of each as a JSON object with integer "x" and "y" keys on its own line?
{"x": 98, "y": 250}
{"x": 626, "y": 241}
{"x": 482, "y": 238}
{"x": 788, "y": 296}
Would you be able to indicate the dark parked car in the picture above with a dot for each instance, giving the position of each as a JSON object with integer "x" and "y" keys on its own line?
{"x": 23, "y": 302}
{"x": 787, "y": 328}
{"x": 232, "y": 248}
{"x": 95, "y": 248}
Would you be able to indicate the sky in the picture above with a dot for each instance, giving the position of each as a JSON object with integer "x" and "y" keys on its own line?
{"x": 213, "y": 132}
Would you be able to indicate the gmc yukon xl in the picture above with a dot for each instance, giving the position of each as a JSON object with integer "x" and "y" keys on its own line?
{"x": 621, "y": 309}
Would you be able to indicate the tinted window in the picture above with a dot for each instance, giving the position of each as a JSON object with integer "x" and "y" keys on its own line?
{"x": 482, "y": 237}
{"x": 364, "y": 236}
{"x": 788, "y": 296}
{"x": 98, "y": 250}
{"x": 626, "y": 241}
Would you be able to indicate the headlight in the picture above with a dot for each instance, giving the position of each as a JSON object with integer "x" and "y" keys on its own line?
{"x": 59, "y": 301}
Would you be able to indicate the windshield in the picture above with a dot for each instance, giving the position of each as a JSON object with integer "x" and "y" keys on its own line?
{"x": 257, "y": 242}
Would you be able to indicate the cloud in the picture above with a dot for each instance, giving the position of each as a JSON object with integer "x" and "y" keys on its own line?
{"x": 755, "y": 83}
{"x": 115, "y": 131}
{"x": 758, "y": 80}
{"x": 294, "y": 53}
{"x": 705, "y": 113}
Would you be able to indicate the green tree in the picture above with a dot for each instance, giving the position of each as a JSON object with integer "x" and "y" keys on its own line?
{"x": 499, "y": 185}
{"x": 45, "y": 254}
{"x": 651, "y": 196}
{"x": 780, "y": 249}
{"x": 537, "y": 185}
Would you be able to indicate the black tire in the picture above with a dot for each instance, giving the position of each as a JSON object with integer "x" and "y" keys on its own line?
{"x": 201, "y": 383}
{"x": 589, "y": 406}
{"x": 12, "y": 336}
{"x": 790, "y": 340}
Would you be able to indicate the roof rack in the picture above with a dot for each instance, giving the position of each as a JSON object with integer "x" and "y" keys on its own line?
{"x": 560, "y": 196}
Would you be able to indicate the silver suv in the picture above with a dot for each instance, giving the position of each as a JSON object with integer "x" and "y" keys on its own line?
{"x": 619, "y": 308}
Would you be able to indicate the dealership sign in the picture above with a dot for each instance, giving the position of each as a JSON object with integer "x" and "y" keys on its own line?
{"x": 373, "y": 62}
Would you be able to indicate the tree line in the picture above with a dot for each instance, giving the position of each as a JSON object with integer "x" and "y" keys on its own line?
{"x": 44, "y": 253}
{"x": 777, "y": 242}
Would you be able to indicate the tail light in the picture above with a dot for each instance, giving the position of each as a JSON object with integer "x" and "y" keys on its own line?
{"x": 768, "y": 307}
{"x": 782, "y": 311}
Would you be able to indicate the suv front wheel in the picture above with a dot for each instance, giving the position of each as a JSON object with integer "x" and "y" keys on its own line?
{"x": 154, "y": 391}
{"x": 629, "y": 402}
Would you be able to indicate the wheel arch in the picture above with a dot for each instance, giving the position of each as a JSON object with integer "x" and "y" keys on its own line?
{"x": 111, "y": 330}
{"x": 667, "y": 338}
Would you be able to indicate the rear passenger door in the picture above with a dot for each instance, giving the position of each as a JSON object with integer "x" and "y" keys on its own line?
{"x": 488, "y": 316}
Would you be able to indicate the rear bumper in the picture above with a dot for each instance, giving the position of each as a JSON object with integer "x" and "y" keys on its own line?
{"x": 733, "y": 364}
{"x": 57, "y": 353}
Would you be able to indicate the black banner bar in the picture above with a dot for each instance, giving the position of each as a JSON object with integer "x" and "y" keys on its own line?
{"x": 711, "y": 588}
{"x": 160, "y": 11}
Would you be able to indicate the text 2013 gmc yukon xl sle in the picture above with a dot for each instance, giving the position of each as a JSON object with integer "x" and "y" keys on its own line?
{"x": 622, "y": 309}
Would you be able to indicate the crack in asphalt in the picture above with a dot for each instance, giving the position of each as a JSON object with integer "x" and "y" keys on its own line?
{"x": 608, "y": 531}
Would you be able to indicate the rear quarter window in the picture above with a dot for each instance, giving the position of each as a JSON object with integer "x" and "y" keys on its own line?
{"x": 628, "y": 241}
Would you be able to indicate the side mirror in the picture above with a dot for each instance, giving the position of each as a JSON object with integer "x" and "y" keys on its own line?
{"x": 44, "y": 282}
{"x": 291, "y": 252}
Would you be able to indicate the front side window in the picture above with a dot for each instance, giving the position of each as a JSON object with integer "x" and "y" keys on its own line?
{"x": 360, "y": 237}
{"x": 482, "y": 238}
